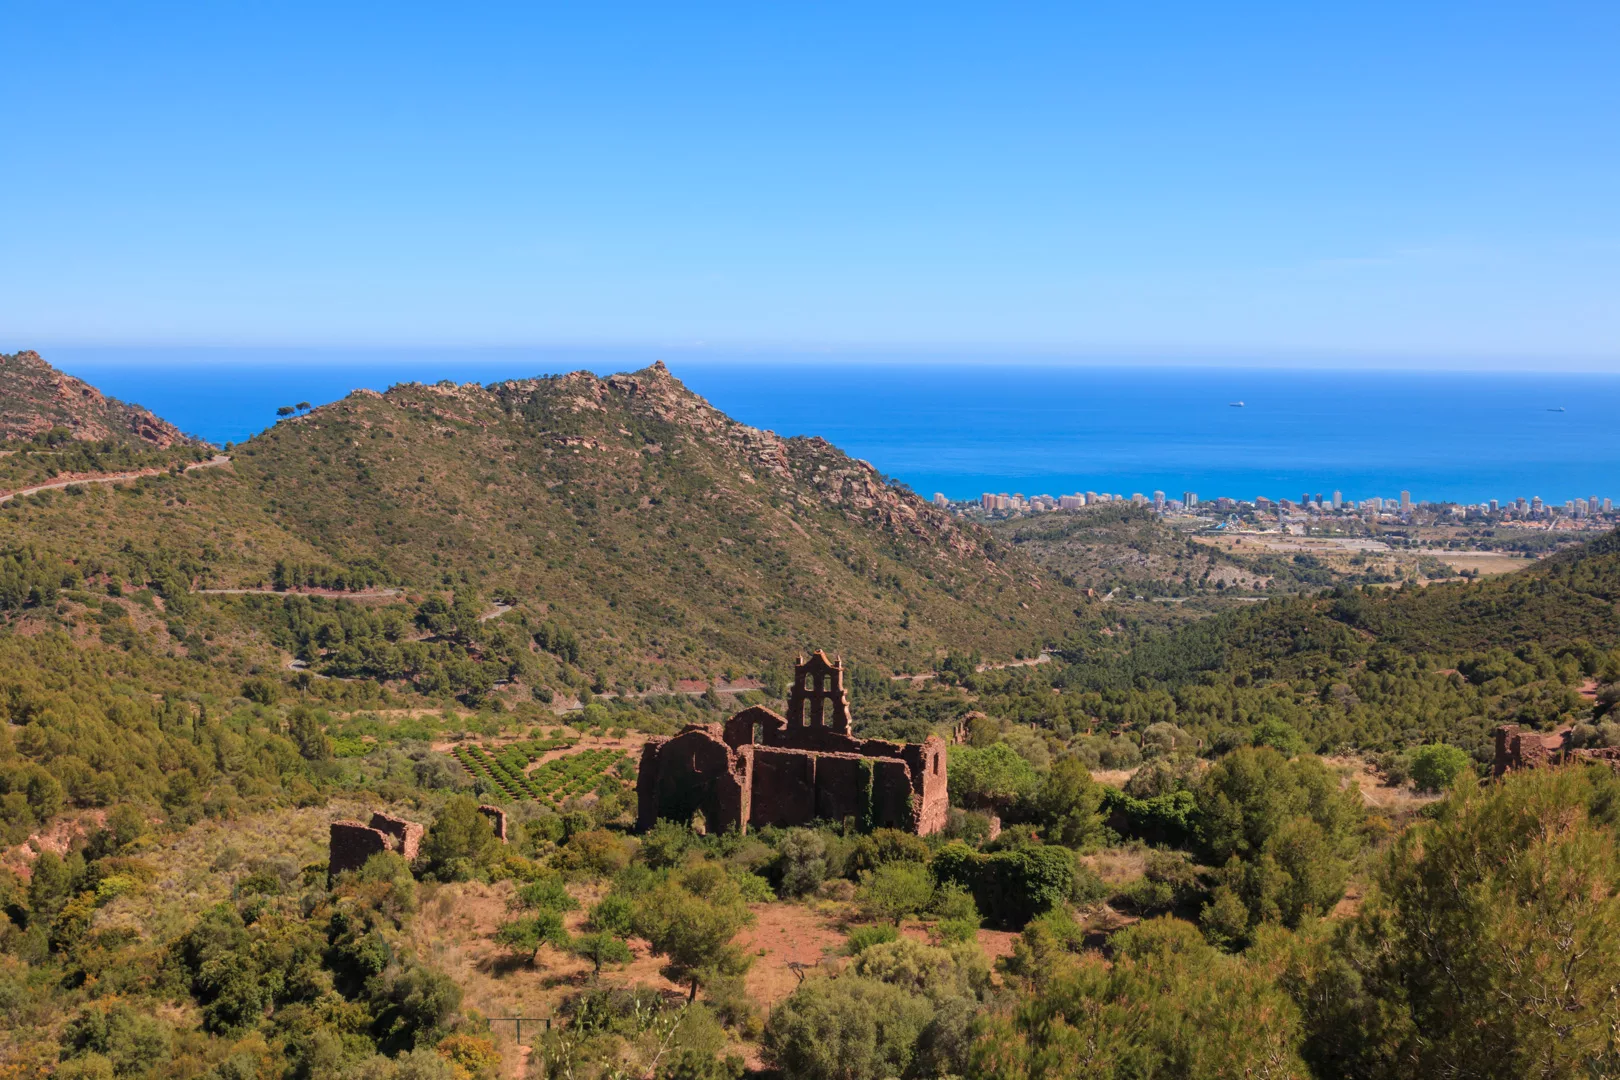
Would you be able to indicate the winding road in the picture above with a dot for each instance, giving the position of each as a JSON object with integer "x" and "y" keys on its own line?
{"x": 112, "y": 478}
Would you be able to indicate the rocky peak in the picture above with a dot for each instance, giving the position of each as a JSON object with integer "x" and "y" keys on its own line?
{"x": 35, "y": 398}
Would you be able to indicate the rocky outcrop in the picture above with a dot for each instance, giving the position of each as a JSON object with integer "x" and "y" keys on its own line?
{"x": 35, "y": 399}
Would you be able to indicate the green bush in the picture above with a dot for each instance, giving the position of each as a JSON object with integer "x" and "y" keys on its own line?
{"x": 1436, "y": 766}
{"x": 1009, "y": 887}
{"x": 895, "y": 890}
{"x": 864, "y": 937}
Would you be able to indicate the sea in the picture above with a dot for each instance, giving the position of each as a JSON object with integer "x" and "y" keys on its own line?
{"x": 964, "y": 427}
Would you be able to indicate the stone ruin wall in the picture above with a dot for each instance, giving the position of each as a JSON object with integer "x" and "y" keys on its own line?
{"x": 497, "y": 820}
{"x": 1518, "y": 749}
{"x": 351, "y": 843}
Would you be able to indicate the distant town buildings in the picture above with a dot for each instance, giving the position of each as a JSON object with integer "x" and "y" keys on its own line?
{"x": 1581, "y": 512}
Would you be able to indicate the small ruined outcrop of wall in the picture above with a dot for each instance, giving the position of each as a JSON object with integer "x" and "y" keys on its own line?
{"x": 351, "y": 843}
{"x": 1519, "y": 749}
{"x": 497, "y": 818}
{"x": 926, "y": 761}
{"x": 407, "y": 835}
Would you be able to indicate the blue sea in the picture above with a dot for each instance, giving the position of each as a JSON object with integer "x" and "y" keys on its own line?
{"x": 964, "y": 428}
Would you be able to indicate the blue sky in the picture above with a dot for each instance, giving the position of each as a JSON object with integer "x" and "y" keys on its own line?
{"x": 1433, "y": 183}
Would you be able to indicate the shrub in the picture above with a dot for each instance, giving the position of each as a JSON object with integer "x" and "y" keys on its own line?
{"x": 1170, "y": 818}
{"x": 1490, "y": 947}
{"x": 459, "y": 844}
{"x": 1010, "y": 887}
{"x": 1066, "y": 804}
{"x": 993, "y": 776}
{"x": 895, "y": 890}
{"x": 864, "y": 937}
{"x": 1437, "y": 766}
{"x": 691, "y": 921}
{"x": 1168, "y": 1006}
{"x": 846, "y": 1029}
{"x": 803, "y": 861}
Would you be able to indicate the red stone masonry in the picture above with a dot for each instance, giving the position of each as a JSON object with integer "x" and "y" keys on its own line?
{"x": 760, "y": 768}
{"x": 407, "y": 834}
{"x": 1519, "y": 749}
{"x": 352, "y": 843}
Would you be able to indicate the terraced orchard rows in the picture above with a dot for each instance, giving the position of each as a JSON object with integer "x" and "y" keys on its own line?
{"x": 553, "y": 783}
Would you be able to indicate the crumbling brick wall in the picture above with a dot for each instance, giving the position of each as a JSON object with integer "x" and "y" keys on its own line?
{"x": 407, "y": 834}
{"x": 690, "y": 773}
{"x": 1520, "y": 749}
{"x": 351, "y": 843}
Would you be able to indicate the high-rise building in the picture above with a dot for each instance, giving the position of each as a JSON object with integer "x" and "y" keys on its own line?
{"x": 1494, "y": 506}
{"x": 1535, "y": 504}
{"x": 1189, "y": 499}
{"x": 940, "y": 499}
{"x": 1158, "y": 500}
{"x": 1138, "y": 499}
{"x": 1406, "y": 501}
{"x": 1608, "y": 506}
{"x": 1338, "y": 499}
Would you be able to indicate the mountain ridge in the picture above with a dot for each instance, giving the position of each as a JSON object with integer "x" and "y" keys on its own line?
{"x": 36, "y": 398}
{"x": 575, "y": 470}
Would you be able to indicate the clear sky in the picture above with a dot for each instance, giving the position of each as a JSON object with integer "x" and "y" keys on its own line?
{"x": 1358, "y": 180}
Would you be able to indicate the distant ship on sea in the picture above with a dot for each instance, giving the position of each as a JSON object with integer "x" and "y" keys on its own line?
{"x": 1558, "y": 408}
{"x": 1235, "y": 404}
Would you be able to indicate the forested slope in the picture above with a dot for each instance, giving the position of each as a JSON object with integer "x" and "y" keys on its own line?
{"x": 662, "y": 532}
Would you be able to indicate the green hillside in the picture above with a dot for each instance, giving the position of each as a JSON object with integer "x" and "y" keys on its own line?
{"x": 656, "y": 537}
{"x": 1378, "y": 669}
{"x": 672, "y": 540}
{"x": 1124, "y": 547}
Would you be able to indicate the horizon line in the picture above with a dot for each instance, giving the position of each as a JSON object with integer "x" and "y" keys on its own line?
{"x": 897, "y": 355}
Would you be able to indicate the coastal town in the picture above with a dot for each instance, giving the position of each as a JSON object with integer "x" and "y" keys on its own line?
{"x": 1593, "y": 512}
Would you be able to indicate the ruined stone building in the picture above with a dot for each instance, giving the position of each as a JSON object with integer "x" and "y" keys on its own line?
{"x": 1520, "y": 749}
{"x": 760, "y": 768}
{"x": 353, "y": 842}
